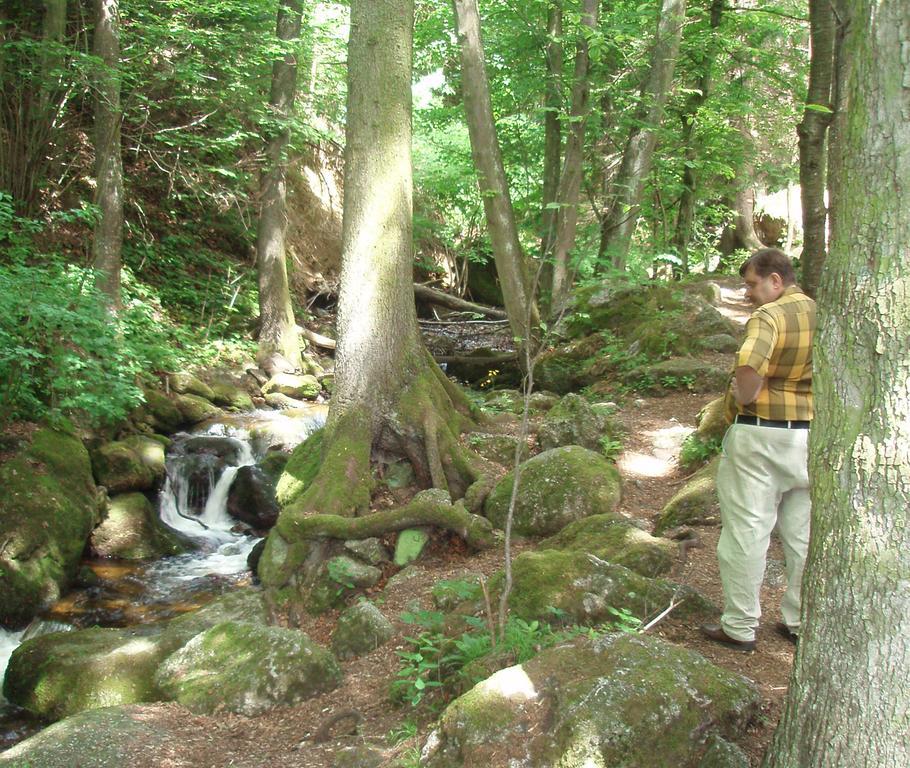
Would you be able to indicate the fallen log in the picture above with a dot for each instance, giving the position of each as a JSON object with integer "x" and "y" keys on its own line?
{"x": 431, "y": 295}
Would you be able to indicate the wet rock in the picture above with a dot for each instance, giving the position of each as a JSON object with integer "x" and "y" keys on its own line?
{"x": 617, "y": 700}
{"x": 227, "y": 448}
{"x": 120, "y": 469}
{"x": 132, "y": 530}
{"x": 361, "y": 628}
{"x": 556, "y": 488}
{"x": 231, "y": 397}
{"x": 49, "y": 506}
{"x": 251, "y": 498}
{"x": 248, "y": 669}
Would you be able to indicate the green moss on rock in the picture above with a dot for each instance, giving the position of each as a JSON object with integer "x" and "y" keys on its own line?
{"x": 300, "y": 470}
{"x": 694, "y": 504}
{"x": 556, "y": 488}
{"x": 121, "y": 469}
{"x": 132, "y": 530}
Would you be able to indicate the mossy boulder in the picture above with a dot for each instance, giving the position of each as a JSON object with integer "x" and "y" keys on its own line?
{"x": 496, "y": 448}
{"x": 151, "y": 452}
{"x": 620, "y": 700}
{"x": 586, "y": 589}
{"x": 49, "y": 505}
{"x": 230, "y": 396}
{"x": 304, "y": 387}
{"x": 243, "y": 605}
{"x": 339, "y": 577}
{"x": 132, "y": 530}
{"x": 248, "y": 669}
{"x": 370, "y": 550}
{"x": 57, "y": 675}
{"x": 121, "y": 469}
{"x": 617, "y": 541}
{"x": 97, "y": 738}
{"x": 510, "y": 400}
{"x": 563, "y": 368}
{"x": 186, "y": 384}
{"x": 694, "y": 504}
{"x": 711, "y": 421}
{"x": 719, "y": 342}
{"x": 361, "y": 628}
{"x": 300, "y": 470}
{"x": 679, "y": 373}
{"x": 556, "y": 488}
{"x": 574, "y": 421}
{"x": 723, "y": 754}
{"x": 195, "y": 409}
{"x": 158, "y": 412}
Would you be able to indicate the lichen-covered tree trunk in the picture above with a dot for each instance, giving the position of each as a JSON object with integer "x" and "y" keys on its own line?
{"x": 812, "y": 133}
{"x": 849, "y": 699}
{"x": 108, "y": 236}
{"x": 390, "y": 399}
{"x": 552, "y": 153}
{"x": 624, "y": 202}
{"x": 570, "y": 180}
{"x": 279, "y": 344}
{"x": 491, "y": 176}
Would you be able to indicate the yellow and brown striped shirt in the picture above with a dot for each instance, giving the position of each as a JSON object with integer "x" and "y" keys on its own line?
{"x": 778, "y": 346}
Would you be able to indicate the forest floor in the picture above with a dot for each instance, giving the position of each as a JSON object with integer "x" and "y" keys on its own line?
{"x": 655, "y": 428}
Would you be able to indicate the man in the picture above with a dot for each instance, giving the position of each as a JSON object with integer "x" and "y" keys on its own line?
{"x": 762, "y": 479}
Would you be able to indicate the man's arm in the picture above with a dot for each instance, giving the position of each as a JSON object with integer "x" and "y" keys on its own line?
{"x": 746, "y": 384}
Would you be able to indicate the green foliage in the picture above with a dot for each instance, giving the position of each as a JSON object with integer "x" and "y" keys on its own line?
{"x": 694, "y": 451}
{"x": 402, "y": 732}
{"x": 610, "y": 447}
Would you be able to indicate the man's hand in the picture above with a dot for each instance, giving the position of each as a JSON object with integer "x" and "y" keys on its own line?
{"x": 746, "y": 385}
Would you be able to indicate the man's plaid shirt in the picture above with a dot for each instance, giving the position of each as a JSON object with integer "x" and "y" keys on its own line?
{"x": 778, "y": 346}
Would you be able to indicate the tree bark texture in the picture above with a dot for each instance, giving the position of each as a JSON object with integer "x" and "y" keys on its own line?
{"x": 685, "y": 217}
{"x": 552, "y": 153}
{"x": 108, "y": 236}
{"x": 625, "y": 199}
{"x": 279, "y": 346}
{"x": 570, "y": 180}
{"x": 812, "y": 132}
{"x": 491, "y": 175}
{"x": 849, "y": 699}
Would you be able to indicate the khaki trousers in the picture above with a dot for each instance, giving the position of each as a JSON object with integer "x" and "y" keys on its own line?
{"x": 762, "y": 481}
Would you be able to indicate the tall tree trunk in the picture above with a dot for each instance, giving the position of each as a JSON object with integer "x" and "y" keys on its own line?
{"x": 491, "y": 176}
{"x": 847, "y": 705}
{"x": 570, "y": 181}
{"x": 812, "y": 133}
{"x": 279, "y": 344}
{"x": 552, "y": 153}
{"x": 685, "y": 217}
{"x": 108, "y": 236}
{"x": 390, "y": 398}
{"x": 625, "y": 200}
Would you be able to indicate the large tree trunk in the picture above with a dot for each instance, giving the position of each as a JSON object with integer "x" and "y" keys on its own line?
{"x": 685, "y": 217}
{"x": 812, "y": 133}
{"x": 108, "y": 236}
{"x": 552, "y": 153}
{"x": 391, "y": 400}
{"x": 570, "y": 181}
{"x": 625, "y": 199}
{"x": 848, "y": 700}
{"x": 494, "y": 189}
{"x": 279, "y": 346}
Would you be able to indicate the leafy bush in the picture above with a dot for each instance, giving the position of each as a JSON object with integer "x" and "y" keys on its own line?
{"x": 694, "y": 451}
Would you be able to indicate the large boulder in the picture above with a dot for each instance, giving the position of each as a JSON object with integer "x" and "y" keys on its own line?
{"x": 194, "y": 409}
{"x": 586, "y": 589}
{"x": 230, "y": 396}
{"x": 617, "y": 541}
{"x": 57, "y": 675}
{"x": 305, "y": 387}
{"x": 251, "y": 498}
{"x": 151, "y": 452}
{"x": 132, "y": 530}
{"x": 248, "y": 669}
{"x": 574, "y": 421}
{"x": 49, "y": 505}
{"x": 619, "y": 700}
{"x": 693, "y": 504}
{"x": 556, "y": 488}
{"x": 186, "y": 384}
{"x": 121, "y": 469}
{"x": 158, "y": 412}
{"x": 680, "y": 373}
{"x": 97, "y": 738}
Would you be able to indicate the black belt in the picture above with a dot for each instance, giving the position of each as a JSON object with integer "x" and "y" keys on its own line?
{"x": 757, "y": 421}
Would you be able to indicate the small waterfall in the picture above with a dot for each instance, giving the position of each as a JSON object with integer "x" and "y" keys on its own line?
{"x": 8, "y": 643}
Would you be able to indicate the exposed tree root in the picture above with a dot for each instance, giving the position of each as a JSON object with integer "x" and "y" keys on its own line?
{"x": 422, "y": 511}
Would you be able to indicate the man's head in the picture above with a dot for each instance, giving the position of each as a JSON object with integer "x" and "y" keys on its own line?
{"x": 767, "y": 274}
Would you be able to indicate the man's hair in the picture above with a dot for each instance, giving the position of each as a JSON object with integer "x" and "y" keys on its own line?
{"x": 764, "y": 261}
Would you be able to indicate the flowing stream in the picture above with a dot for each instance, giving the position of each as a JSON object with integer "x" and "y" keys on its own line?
{"x": 201, "y": 468}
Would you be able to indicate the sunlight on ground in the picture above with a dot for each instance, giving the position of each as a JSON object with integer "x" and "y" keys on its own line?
{"x": 662, "y": 459}
{"x": 740, "y": 309}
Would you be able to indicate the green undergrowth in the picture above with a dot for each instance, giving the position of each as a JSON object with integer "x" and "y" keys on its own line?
{"x": 437, "y": 666}
{"x": 694, "y": 451}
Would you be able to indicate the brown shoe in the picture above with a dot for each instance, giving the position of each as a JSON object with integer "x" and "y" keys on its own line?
{"x": 716, "y": 633}
{"x": 785, "y": 632}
